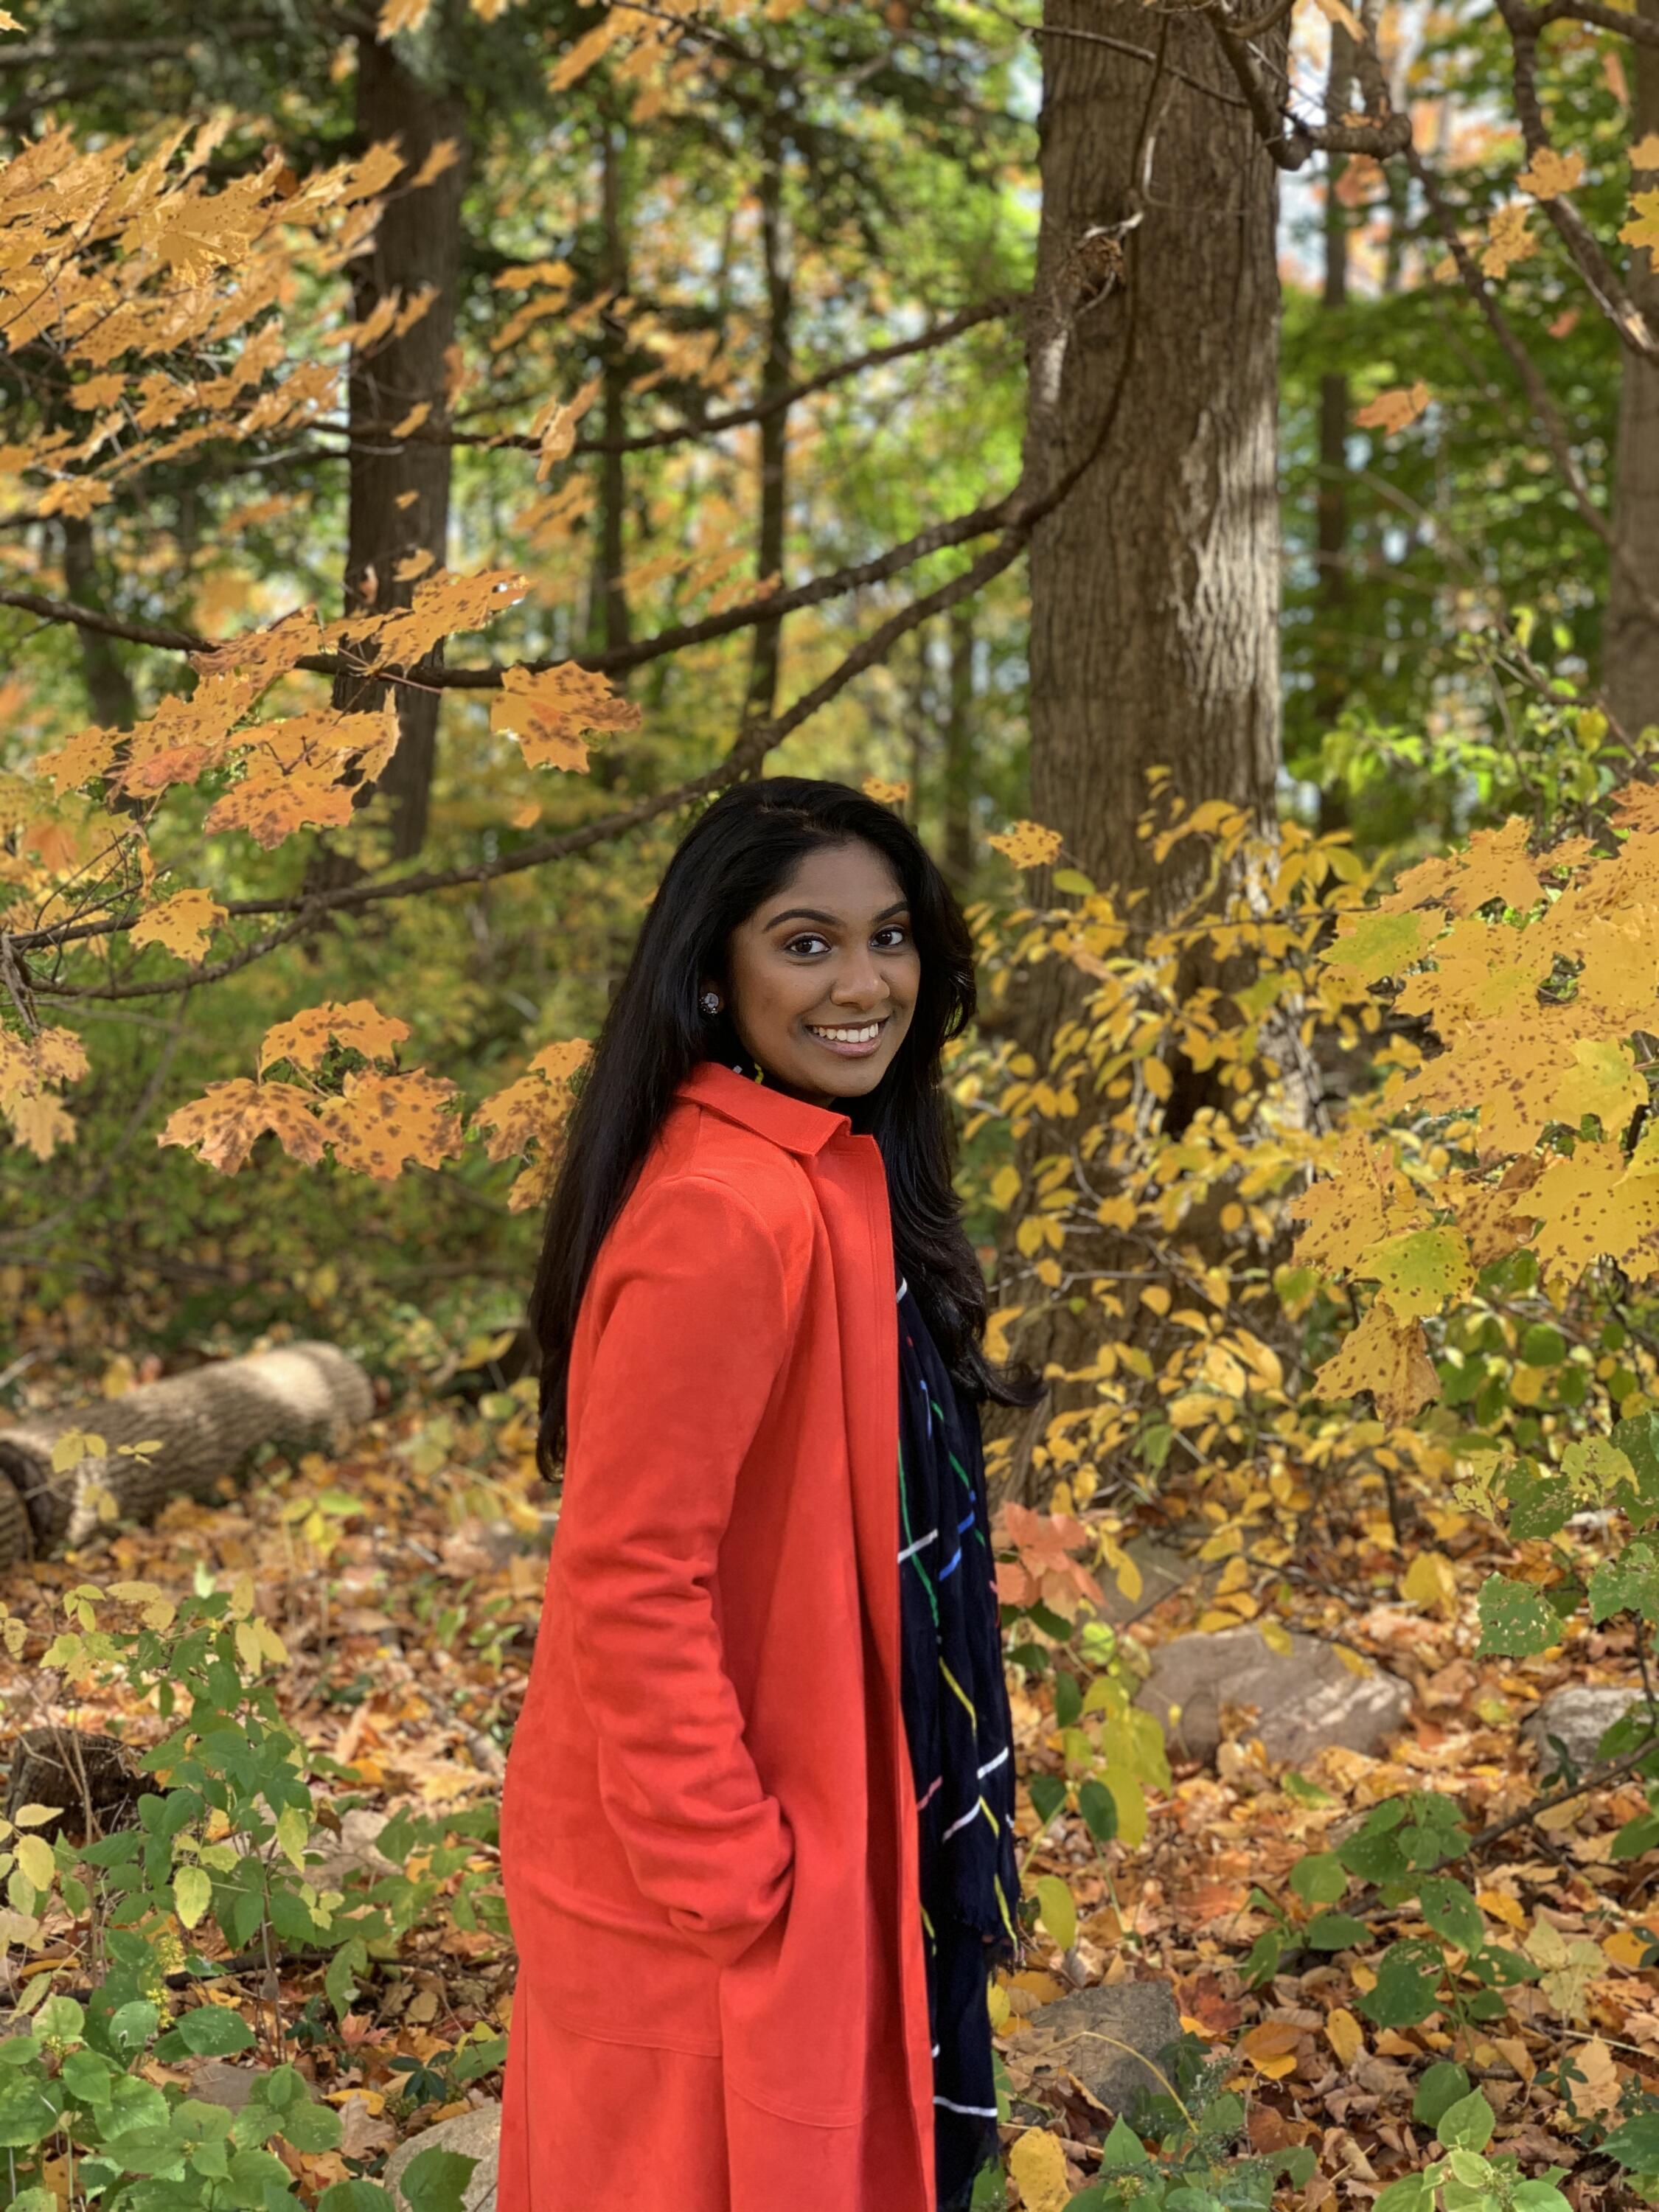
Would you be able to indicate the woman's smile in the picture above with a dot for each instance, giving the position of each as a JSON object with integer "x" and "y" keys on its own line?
{"x": 849, "y": 1039}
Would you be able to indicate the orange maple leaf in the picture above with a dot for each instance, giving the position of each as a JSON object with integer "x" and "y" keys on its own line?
{"x": 381, "y": 1122}
{"x": 224, "y": 1125}
{"x": 549, "y": 712}
{"x": 358, "y": 1023}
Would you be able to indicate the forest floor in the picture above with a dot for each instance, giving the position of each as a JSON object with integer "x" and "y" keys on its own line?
{"x": 406, "y": 1585}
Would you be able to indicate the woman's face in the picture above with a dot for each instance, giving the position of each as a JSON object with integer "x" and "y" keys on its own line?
{"x": 824, "y": 975}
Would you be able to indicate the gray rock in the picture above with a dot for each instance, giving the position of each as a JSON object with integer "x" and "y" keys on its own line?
{"x": 1305, "y": 1700}
{"x": 1106, "y": 2035}
{"x": 1580, "y": 1716}
{"x": 477, "y": 2134}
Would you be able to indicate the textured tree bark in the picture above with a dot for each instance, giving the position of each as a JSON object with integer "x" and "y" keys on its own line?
{"x": 418, "y": 247}
{"x": 1631, "y": 654}
{"x": 1330, "y": 674}
{"x": 1155, "y": 586}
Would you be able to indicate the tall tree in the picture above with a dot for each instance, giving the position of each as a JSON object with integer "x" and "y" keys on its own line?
{"x": 1632, "y": 653}
{"x": 399, "y": 486}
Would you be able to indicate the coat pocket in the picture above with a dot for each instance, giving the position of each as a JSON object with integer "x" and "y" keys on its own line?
{"x": 614, "y": 1976}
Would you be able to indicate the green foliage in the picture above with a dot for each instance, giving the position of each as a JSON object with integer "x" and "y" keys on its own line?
{"x": 226, "y": 1839}
{"x": 1193, "y": 2124}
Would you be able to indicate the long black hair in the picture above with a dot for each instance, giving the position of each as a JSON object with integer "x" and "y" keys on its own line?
{"x": 742, "y": 850}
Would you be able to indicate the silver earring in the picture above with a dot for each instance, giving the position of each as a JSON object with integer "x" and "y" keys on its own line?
{"x": 710, "y": 1002}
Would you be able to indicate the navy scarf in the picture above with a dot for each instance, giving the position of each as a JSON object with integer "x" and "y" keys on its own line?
{"x": 955, "y": 1698}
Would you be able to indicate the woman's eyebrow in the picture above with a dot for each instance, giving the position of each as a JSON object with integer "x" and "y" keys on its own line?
{"x": 829, "y": 921}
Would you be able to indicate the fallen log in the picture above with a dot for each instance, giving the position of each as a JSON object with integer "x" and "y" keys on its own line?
{"x": 200, "y": 1427}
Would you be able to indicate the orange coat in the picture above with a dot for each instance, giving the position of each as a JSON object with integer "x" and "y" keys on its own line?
{"x": 708, "y": 1831}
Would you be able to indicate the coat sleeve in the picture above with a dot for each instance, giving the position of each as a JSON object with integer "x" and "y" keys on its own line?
{"x": 693, "y": 1333}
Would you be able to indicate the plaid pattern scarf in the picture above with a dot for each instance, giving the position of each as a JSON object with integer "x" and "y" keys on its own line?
{"x": 955, "y": 1698}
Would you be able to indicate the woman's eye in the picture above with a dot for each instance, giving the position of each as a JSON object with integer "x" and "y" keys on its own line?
{"x": 897, "y": 931}
{"x": 800, "y": 944}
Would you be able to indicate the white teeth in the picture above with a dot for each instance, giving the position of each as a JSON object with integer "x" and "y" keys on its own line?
{"x": 865, "y": 1036}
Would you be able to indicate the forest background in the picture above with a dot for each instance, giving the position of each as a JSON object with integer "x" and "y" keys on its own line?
{"x": 1202, "y": 466}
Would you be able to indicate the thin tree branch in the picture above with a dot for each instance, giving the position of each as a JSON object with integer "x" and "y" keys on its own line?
{"x": 735, "y": 418}
{"x": 1575, "y": 233}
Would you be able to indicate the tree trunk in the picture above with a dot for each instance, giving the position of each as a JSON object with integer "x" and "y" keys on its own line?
{"x": 1330, "y": 685}
{"x": 109, "y": 690}
{"x": 1155, "y": 586}
{"x": 959, "y": 794}
{"x": 1630, "y": 655}
{"x": 418, "y": 247}
{"x": 200, "y": 1427}
{"x": 610, "y": 622}
{"x": 775, "y": 427}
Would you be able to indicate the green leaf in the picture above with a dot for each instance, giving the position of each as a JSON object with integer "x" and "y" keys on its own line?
{"x": 1407, "y": 1985}
{"x": 1450, "y": 1910}
{"x": 1542, "y": 1345}
{"x": 1122, "y": 2152}
{"x": 473, "y": 2060}
{"x": 355, "y": 2196}
{"x": 293, "y": 1834}
{"x": 340, "y": 1980}
{"x": 1420, "y": 1271}
{"x": 308, "y": 2127}
{"x": 1468, "y": 2125}
{"x": 1538, "y": 1504}
{"x": 1539, "y": 2196}
{"x": 1336, "y": 1931}
{"x": 1099, "y": 1809}
{"x": 1381, "y": 944}
{"x": 1047, "y": 1795}
{"x": 1320, "y": 1880}
{"x": 1629, "y": 1583}
{"x": 436, "y": 2179}
{"x": 210, "y": 2031}
{"x": 1636, "y": 2144}
{"x": 1514, "y": 1621}
{"x": 1412, "y": 2193}
{"x": 1441, "y": 2088}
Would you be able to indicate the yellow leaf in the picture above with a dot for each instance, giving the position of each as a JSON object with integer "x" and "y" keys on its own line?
{"x": 1131, "y": 1801}
{"x": 1057, "y": 1909}
{"x": 1625, "y": 1947}
{"x": 1502, "y": 1907}
{"x": 1345, "y": 2036}
{"x": 192, "y": 1893}
{"x": 1037, "y": 2163}
{"x": 1430, "y": 1581}
{"x": 402, "y": 15}
{"x": 1155, "y": 1296}
{"x": 1276, "y": 1637}
{"x": 1027, "y": 844}
{"x": 1644, "y": 153}
{"x": 1551, "y": 174}
{"x": 35, "y": 1858}
{"x": 1350, "y": 1659}
{"x": 182, "y": 924}
{"x": 8, "y": 21}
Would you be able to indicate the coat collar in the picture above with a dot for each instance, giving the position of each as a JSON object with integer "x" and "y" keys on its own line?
{"x": 791, "y": 1122}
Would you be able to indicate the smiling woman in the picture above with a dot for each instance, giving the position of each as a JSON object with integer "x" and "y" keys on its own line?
{"x": 755, "y": 1921}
